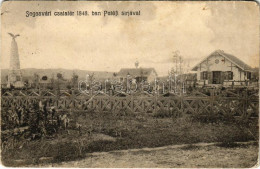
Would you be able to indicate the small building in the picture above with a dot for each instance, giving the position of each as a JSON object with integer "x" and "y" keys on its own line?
{"x": 220, "y": 68}
{"x": 139, "y": 74}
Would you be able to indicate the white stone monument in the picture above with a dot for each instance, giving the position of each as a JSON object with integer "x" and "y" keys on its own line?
{"x": 15, "y": 75}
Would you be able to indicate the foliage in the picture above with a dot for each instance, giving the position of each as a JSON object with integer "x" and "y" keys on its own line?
{"x": 74, "y": 79}
{"x": 59, "y": 76}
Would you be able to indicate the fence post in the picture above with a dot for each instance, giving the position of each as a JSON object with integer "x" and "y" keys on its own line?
{"x": 245, "y": 104}
{"x": 212, "y": 95}
{"x": 40, "y": 98}
{"x": 57, "y": 97}
{"x": 182, "y": 107}
{"x": 132, "y": 103}
{"x": 111, "y": 103}
{"x": 72, "y": 96}
{"x": 155, "y": 104}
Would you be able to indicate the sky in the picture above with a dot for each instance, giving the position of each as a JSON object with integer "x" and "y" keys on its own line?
{"x": 100, "y": 43}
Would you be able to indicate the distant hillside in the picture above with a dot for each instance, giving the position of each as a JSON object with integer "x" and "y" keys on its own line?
{"x": 67, "y": 74}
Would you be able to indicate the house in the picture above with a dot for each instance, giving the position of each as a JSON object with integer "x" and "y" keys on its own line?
{"x": 139, "y": 74}
{"x": 220, "y": 68}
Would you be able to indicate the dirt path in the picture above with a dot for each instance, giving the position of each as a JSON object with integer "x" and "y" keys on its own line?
{"x": 197, "y": 155}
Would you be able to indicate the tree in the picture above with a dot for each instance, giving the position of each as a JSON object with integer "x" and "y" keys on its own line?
{"x": 36, "y": 78}
{"x": 142, "y": 74}
{"x": 74, "y": 79}
{"x": 59, "y": 76}
{"x": 176, "y": 57}
{"x": 177, "y": 71}
{"x": 91, "y": 79}
{"x": 52, "y": 81}
{"x": 26, "y": 83}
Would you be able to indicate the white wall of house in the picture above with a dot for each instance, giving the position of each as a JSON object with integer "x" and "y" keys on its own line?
{"x": 151, "y": 77}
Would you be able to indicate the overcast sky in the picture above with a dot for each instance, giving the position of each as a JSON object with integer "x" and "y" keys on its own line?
{"x": 109, "y": 43}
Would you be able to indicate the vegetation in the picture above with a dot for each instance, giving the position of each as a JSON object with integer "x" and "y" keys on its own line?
{"x": 107, "y": 131}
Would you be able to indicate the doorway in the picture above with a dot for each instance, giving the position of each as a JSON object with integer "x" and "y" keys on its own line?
{"x": 216, "y": 77}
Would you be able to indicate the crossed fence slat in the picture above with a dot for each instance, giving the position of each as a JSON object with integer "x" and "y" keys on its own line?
{"x": 226, "y": 102}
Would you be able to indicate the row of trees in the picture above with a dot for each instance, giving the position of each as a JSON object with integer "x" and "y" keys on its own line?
{"x": 52, "y": 82}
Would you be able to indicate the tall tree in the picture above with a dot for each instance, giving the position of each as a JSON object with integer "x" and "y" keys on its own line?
{"x": 36, "y": 79}
{"x": 59, "y": 77}
{"x": 74, "y": 79}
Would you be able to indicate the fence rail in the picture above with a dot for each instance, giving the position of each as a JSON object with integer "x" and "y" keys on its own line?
{"x": 241, "y": 103}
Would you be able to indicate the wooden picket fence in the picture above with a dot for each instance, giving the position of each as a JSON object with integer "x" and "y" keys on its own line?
{"x": 245, "y": 103}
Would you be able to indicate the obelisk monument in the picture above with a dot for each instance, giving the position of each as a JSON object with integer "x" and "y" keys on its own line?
{"x": 14, "y": 76}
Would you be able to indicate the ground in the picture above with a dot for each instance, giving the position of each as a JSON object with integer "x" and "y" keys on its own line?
{"x": 180, "y": 156}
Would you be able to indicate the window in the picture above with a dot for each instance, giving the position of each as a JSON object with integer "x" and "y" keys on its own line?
{"x": 204, "y": 75}
{"x": 228, "y": 75}
{"x": 249, "y": 75}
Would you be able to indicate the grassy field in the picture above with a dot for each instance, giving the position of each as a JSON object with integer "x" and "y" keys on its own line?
{"x": 107, "y": 132}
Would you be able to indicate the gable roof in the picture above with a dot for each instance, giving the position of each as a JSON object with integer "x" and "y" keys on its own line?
{"x": 233, "y": 59}
{"x": 136, "y": 71}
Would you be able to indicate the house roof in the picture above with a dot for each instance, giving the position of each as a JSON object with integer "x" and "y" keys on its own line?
{"x": 233, "y": 59}
{"x": 136, "y": 71}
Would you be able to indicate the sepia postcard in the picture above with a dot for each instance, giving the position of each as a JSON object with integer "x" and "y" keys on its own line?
{"x": 130, "y": 84}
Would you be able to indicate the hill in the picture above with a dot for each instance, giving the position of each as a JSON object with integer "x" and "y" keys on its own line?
{"x": 67, "y": 74}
